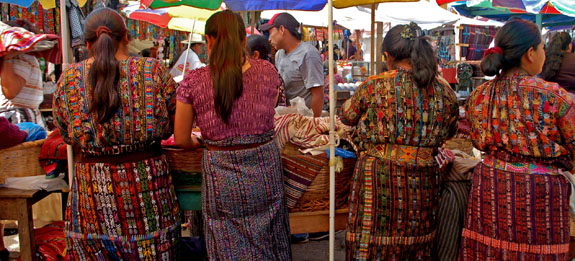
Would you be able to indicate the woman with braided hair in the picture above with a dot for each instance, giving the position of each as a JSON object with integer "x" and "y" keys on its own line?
{"x": 403, "y": 116}
{"x": 559, "y": 63}
{"x": 116, "y": 109}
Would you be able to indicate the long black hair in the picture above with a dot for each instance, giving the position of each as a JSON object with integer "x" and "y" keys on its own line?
{"x": 408, "y": 42}
{"x": 226, "y": 59}
{"x": 554, "y": 55}
{"x": 104, "y": 30}
{"x": 514, "y": 38}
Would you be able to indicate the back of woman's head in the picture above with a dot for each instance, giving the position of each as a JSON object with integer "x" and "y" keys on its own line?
{"x": 260, "y": 44}
{"x": 408, "y": 42}
{"x": 227, "y": 31}
{"x": 554, "y": 55}
{"x": 514, "y": 38}
{"x": 104, "y": 31}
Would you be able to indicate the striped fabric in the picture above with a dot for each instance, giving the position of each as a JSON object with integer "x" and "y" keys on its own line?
{"x": 21, "y": 40}
{"x": 452, "y": 205}
{"x": 514, "y": 216}
{"x": 305, "y": 132}
{"x": 32, "y": 93}
{"x": 243, "y": 202}
{"x": 300, "y": 171}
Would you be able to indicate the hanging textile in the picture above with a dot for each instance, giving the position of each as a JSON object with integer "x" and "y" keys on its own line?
{"x": 76, "y": 22}
{"x": 47, "y": 20}
{"x": 478, "y": 38}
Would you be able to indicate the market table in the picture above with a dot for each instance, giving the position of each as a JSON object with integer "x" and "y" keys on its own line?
{"x": 16, "y": 204}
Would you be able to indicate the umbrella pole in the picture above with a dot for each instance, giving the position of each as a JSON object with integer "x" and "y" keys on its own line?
{"x": 372, "y": 54}
{"x": 331, "y": 134}
{"x": 253, "y": 22}
{"x": 181, "y": 77}
{"x": 65, "y": 61}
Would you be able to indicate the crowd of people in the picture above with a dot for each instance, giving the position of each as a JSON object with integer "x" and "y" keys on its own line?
{"x": 116, "y": 108}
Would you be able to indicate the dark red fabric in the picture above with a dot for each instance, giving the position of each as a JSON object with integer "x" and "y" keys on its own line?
{"x": 54, "y": 147}
{"x": 10, "y": 134}
{"x": 51, "y": 241}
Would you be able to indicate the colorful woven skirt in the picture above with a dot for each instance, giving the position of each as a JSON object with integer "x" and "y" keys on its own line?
{"x": 515, "y": 215}
{"x": 244, "y": 203}
{"x": 393, "y": 206}
{"x": 124, "y": 211}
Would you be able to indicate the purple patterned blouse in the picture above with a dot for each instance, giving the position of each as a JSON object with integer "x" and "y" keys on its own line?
{"x": 252, "y": 113}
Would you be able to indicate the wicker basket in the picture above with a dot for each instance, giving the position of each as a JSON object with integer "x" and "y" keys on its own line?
{"x": 186, "y": 166}
{"x": 21, "y": 160}
{"x": 316, "y": 197}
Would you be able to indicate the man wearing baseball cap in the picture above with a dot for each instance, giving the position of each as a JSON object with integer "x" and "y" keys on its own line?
{"x": 298, "y": 62}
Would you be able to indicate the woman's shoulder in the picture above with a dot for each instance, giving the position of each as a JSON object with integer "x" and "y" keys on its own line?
{"x": 262, "y": 65}
{"x": 196, "y": 77}
{"x": 542, "y": 85}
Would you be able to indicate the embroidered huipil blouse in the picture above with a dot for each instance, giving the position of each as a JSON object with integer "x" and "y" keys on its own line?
{"x": 391, "y": 109}
{"x": 522, "y": 115}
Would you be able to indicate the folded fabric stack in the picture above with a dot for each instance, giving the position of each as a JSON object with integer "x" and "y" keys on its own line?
{"x": 21, "y": 40}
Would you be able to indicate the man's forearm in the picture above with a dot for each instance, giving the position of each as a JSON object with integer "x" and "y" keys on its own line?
{"x": 317, "y": 101}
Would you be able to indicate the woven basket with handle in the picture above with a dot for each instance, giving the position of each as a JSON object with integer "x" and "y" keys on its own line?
{"x": 185, "y": 166}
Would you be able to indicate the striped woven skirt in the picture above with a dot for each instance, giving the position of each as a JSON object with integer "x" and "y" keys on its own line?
{"x": 125, "y": 211}
{"x": 516, "y": 214}
{"x": 393, "y": 205}
{"x": 244, "y": 203}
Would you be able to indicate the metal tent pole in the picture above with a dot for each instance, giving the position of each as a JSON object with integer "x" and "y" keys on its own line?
{"x": 331, "y": 135}
{"x": 65, "y": 33}
{"x": 372, "y": 58}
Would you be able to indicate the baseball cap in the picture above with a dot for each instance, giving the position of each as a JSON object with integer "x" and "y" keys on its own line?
{"x": 285, "y": 19}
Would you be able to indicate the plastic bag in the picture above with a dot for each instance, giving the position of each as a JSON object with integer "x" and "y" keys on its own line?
{"x": 297, "y": 106}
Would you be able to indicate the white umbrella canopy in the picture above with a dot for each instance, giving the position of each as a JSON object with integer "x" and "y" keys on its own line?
{"x": 350, "y": 18}
{"x": 422, "y": 13}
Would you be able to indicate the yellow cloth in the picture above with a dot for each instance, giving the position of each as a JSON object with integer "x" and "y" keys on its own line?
{"x": 49, "y": 4}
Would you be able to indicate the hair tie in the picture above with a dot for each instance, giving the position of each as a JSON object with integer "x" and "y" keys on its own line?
{"x": 491, "y": 50}
{"x": 411, "y": 32}
{"x": 103, "y": 30}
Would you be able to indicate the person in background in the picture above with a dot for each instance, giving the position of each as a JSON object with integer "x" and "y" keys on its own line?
{"x": 336, "y": 80}
{"x": 193, "y": 61}
{"x": 352, "y": 51}
{"x": 232, "y": 101}
{"x": 116, "y": 109}
{"x": 258, "y": 47}
{"x": 518, "y": 207}
{"x": 299, "y": 63}
{"x": 336, "y": 53}
{"x": 559, "y": 66}
{"x": 146, "y": 53}
{"x": 21, "y": 82}
{"x": 324, "y": 54}
{"x": 402, "y": 116}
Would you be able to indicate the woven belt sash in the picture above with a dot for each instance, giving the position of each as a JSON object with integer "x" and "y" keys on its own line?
{"x": 516, "y": 247}
{"x": 403, "y": 154}
{"x": 520, "y": 167}
{"x": 386, "y": 240}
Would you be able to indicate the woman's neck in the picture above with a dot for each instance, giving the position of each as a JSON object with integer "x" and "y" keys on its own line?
{"x": 513, "y": 71}
{"x": 404, "y": 64}
{"x": 246, "y": 65}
